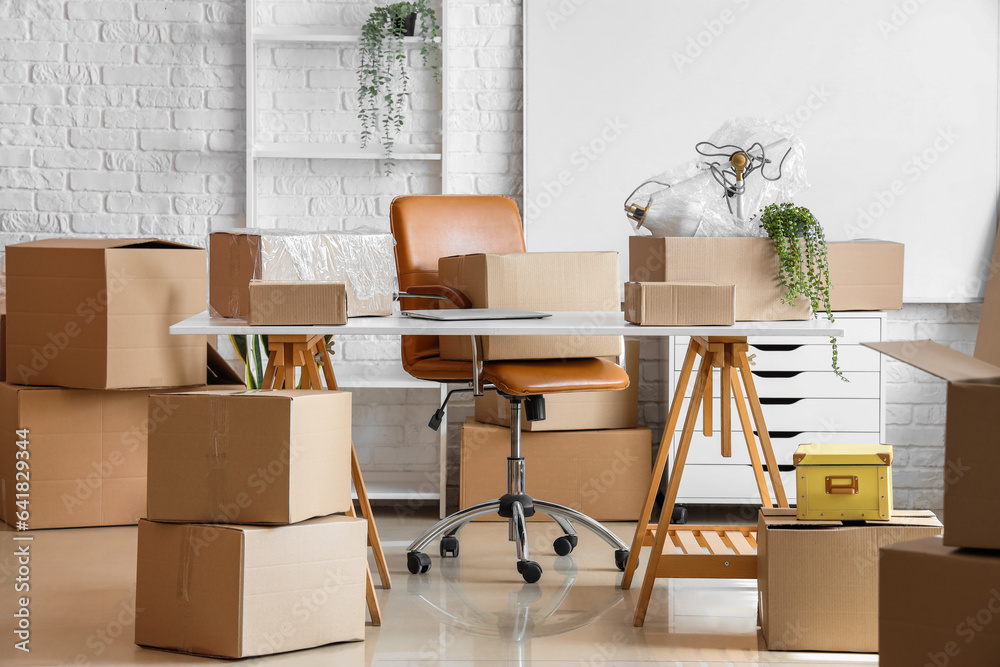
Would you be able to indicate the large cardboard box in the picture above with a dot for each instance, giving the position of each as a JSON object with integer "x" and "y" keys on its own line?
{"x": 86, "y": 450}
{"x": 604, "y": 474}
{"x": 972, "y": 458}
{"x": 251, "y": 457}
{"x": 94, "y": 314}
{"x": 363, "y": 260}
{"x": 938, "y": 606}
{"x": 236, "y": 591}
{"x": 542, "y": 281}
{"x": 866, "y": 274}
{"x": 749, "y": 263}
{"x": 680, "y": 303}
{"x": 296, "y": 302}
{"x": 575, "y": 410}
{"x": 818, "y": 581}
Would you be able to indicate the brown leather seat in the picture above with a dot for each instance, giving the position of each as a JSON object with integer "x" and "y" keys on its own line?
{"x": 428, "y": 227}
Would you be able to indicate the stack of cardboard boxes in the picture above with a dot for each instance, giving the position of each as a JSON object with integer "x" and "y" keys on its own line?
{"x": 244, "y": 551}
{"x": 87, "y": 349}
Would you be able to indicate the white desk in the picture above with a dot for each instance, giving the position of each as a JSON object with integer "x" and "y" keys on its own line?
{"x": 389, "y": 485}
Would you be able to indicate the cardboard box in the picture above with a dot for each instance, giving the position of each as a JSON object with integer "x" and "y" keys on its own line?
{"x": 866, "y": 274}
{"x": 749, "y": 263}
{"x": 604, "y": 474}
{"x": 94, "y": 314}
{"x": 575, "y": 410}
{"x": 972, "y": 458}
{"x": 363, "y": 260}
{"x": 86, "y": 450}
{"x": 237, "y": 591}
{"x": 296, "y": 302}
{"x": 938, "y": 606}
{"x": 680, "y": 303}
{"x": 818, "y": 581}
{"x": 251, "y": 457}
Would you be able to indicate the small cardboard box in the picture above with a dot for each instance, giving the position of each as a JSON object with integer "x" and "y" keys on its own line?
{"x": 251, "y": 457}
{"x": 542, "y": 281}
{"x": 363, "y": 260}
{"x": 95, "y": 313}
{"x": 866, "y": 274}
{"x": 86, "y": 450}
{"x": 749, "y": 263}
{"x": 972, "y": 458}
{"x": 237, "y": 591}
{"x": 938, "y": 606}
{"x": 680, "y": 303}
{"x": 297, "y": 302}
{"x": 836, "y": 482}
{"x": 604, "y": 474}
{"x": 818, "y": 581}
{"x": 575, "y": 410}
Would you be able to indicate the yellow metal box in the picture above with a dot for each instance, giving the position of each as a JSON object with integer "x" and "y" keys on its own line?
{"x": 843, "y": 482}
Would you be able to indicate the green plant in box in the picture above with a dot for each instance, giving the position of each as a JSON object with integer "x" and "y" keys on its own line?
{"x": 803, "y": 270}
{"x": 383, "y": 79}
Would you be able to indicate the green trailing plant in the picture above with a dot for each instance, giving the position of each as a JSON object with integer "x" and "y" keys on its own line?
{"x": 383, "y": 77}
{"x": 803, "y": 269}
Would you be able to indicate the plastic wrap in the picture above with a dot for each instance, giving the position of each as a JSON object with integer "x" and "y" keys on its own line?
{"x": 362, "y": 259}
{"x": 688, "y": 200}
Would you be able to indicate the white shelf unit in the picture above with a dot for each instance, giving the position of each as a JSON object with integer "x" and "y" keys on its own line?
{"x": 332, "y": 37}
{"x": 406, "y": 486}
{"x": 803, "y": 401}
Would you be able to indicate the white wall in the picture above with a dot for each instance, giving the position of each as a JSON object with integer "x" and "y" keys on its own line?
{"x": 124, "y": 117}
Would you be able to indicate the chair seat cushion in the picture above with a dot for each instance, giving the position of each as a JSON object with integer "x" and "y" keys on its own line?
{"x": 437, "y": 369}
{"x": 554, "y": 376}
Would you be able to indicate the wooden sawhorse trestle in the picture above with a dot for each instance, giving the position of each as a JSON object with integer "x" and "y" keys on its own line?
{"x": 285, "y": 354}
{"x": 721, "y": 552}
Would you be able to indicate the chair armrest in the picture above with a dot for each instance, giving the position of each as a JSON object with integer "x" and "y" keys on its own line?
{"x": 441, "y": 292}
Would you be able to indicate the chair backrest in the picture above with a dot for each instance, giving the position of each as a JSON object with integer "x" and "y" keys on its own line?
{"x": 429, "y": 227}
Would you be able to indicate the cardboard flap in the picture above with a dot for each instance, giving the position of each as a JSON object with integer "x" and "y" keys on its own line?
{"x": 219, "y": 371}
{"x": 107, "y": 244}
{"x": 938, "y": 360}
{"x": 786, "y": 519}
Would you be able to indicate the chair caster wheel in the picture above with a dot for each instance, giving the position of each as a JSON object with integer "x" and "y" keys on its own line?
{"x": 564, "y": 545}
{"x": 621, "y": 558}
{"x": 418, "y": 562}
{"x": 530, "y": 570}
{"x": 679, "y": 515}
{"x": 449, "y": 546}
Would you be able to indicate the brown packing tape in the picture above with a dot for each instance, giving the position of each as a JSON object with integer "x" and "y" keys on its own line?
{"x": 219, "y": 465}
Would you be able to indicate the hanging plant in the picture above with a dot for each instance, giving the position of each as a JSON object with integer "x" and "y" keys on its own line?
{"x": 383, "y": 78}
{"x": 803, "y": 269}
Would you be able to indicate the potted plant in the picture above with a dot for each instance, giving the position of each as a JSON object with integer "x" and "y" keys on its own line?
{"x": 803, "y": 270}
{"x": 383, "y": 80}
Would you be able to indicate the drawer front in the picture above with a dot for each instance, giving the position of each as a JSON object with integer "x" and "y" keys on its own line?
{"x": 809, "y": 414}
{"x": 805, "y": 384}
{"x": 706, "y": 450}
{"x": 726, "y": 484}
{"x": 804, "y": 358}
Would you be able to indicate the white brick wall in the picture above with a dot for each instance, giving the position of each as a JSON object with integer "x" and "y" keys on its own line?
{"x": 124, "y": 117}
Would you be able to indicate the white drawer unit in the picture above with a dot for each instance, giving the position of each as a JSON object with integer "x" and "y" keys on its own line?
{"x": 803, "y": 402}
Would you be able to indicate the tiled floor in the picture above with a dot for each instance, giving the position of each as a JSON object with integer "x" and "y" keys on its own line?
{"x": 474, "y": 609}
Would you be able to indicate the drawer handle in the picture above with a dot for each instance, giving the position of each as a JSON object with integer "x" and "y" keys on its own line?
{"x": 773, "y": 347}
{"x": 781, "y": 467}
{"x": 779, "y": 401}
{"x": 781, "y": 434}
{"x": 776, "y": 374}
{"x": 842, "y": 484}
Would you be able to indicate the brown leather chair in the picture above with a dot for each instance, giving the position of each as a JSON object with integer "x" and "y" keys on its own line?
{"x": 426, "y": 228}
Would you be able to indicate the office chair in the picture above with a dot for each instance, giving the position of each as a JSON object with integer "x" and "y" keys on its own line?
{"x": 426, "y": 228}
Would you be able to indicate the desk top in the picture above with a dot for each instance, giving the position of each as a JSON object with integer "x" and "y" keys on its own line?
{"x": 560, "y": 324}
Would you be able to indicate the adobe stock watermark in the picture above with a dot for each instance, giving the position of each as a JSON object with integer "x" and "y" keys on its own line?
{"x": 86, "y": 312}
{"x": 713, "y": 28}
{"x": 900, "y": 15}
{"x": 104, "y": 637}
{"x": 966, "y": 631}
{"x": 562, "y": 13}
{"x": 585, "y": 155}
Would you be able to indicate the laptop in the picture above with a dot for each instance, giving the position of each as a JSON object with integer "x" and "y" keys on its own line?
{"x": 463, "y": 314}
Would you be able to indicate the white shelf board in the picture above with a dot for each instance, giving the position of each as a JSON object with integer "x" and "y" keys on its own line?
{"x": 402, "y": 486}
{"x": 316, "y": 35}
{"x": 343, "y": 151}
{"x": 388, "y": 376}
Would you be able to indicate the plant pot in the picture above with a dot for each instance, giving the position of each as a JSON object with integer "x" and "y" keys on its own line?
{"x": 407, "y": 24}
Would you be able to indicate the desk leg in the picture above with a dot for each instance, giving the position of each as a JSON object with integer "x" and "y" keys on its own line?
{"x": 662, "y": 455}
{"x": 366, "y": 511}
{"x": 673, "y": 486}
{"x": 765, "y": 438}
{"x": 370, "y": 596}
{"x": 741, "y": 408}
